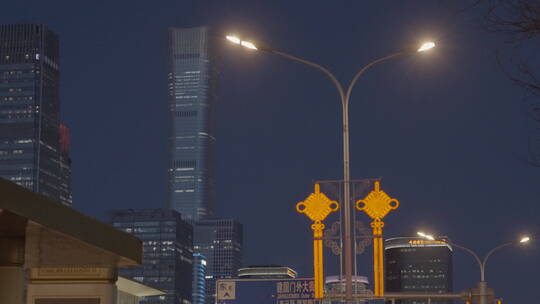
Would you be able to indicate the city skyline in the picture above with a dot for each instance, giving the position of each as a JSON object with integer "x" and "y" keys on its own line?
{"x": 445, "y": 132}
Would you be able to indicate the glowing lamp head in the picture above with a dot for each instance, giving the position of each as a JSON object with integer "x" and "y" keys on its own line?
{"x": 234, "y": 39}
{"x": 248, "y": 45}
{"x": 426, "y": 46}
{"x": 426, "y": 236}
{"x": 525, "y": 239}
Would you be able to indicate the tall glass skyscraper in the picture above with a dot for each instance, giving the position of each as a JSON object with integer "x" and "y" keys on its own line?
{"x": 30, "y": 151}
{"x": 167, "y": 252}
{"x": 191, "y": 108}
{"x": 199, "y": 282}
{"x": 221, "y": 241}
{"x": 192, "y": 85}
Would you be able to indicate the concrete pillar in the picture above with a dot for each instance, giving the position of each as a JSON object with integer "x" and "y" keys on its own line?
{"x": 12, "y": 282}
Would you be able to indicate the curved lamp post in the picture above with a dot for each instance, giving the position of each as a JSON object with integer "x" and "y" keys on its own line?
{"x": 344, "y": 97}
{"x": 482, "y": 284}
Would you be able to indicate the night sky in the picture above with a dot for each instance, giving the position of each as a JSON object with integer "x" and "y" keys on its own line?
{"x": 445, "y": 130}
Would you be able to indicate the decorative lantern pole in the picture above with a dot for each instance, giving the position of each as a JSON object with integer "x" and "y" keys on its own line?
{"x": 317, "y": 207}
{"x": 377, "y": 204}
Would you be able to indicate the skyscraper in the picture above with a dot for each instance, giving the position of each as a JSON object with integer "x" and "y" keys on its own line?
{"x": 220, "y": 240}
{"x": 199, "y": 275}
{"x": 192, "y": 86}
{"x": 191, "y": 108}
{"x": 30, "y": 150}
{"x": 418, "y": 265}
{"x": 167, "y": 252}
{"x": 65, "y": 166}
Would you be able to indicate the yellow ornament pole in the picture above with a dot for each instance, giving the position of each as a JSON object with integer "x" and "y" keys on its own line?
{"x": 376, "y": 205}
{"x": 318, "y": 271}
{"x": 378, "y": 258}
{"x": 316, "y": 207}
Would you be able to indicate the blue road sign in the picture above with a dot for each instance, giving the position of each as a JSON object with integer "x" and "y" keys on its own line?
{"x": 265, "y": 291}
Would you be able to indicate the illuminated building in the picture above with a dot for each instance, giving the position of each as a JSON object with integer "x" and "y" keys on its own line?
{"x": 31, "y": 154}
{"x": 65, "y": 166}
{"x": 167, "y": 252}
{"x": 267, "y": 272}
{"x": 220, "y": 241}
{"x": 335, "y": 286}
{"x": 418, "y": 265}
{"x": 192, "y": 80}
{"x": 199, "y": 274}
{"x": 191, "y": 111}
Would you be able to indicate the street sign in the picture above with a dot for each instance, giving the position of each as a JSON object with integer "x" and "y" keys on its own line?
{"x": 266, "y": 291}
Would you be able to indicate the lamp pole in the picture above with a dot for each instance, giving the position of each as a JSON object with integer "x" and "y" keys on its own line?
{"x": 482, "y": 284}
{"x": 344, "y": 98}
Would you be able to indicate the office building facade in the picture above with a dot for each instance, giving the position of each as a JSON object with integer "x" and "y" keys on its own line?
{"x": 167, "y": 252}
{"x": 192, "y": 132}
{"x": 221, "y": 241}
{"x": 199, "y": 275}
{"x": 30, "y": 149}
{"x": 418, "y": 265}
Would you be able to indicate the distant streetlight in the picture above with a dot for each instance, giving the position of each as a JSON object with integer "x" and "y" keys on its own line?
{"x": 344, "y": 97}
{"x": 243, "y": 43}
{"x": 482, "y": 284}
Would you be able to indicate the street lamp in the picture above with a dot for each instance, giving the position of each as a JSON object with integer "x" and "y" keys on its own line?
{"x": 482, "y": 284}
{"x": 344, "y": 98}
{"x": 426, "y": 46}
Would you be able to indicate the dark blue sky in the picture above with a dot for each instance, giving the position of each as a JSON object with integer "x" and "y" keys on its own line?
{"x": 446, "y": 131}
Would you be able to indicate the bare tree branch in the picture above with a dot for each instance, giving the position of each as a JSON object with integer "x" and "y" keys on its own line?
{"x": 519, "y": 22}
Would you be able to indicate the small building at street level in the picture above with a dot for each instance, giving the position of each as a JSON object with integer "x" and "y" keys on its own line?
{"x": 52, "y": 254}
{"x": 335, "y": 289}
{"x": 418, "y": 265}
{"x": 267, "y": 272}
